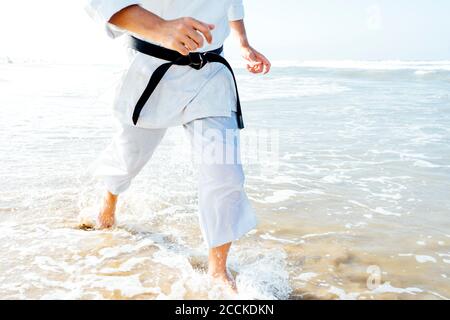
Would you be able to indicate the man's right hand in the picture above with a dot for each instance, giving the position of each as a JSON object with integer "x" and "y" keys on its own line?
{"x": 183, "y": 35}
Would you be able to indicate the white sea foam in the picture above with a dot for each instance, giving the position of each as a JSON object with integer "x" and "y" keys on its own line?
{"x": 128, "y": 286}
{"x": 386, "y": 212}
{"x": 280, "y": 196}
{"x": 127, "y": 266}
{"x": 420, "y": 66}
{"x": 342, "y": 294}
{"x": 306, "y": 276}
{"x": 267, "y": 236}
{"x": 425, "y": 164}
{"x": 288, "y": 87}
{"x": 425, "y": 259}
{"x": 316, "y": 235}
{"x": 388, "y": 288}
{"x": 355, "y": 225}
{"x": 272, "y": 279}
{"x": 378, "y": 210}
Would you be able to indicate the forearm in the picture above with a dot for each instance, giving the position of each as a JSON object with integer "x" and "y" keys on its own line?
{"x": 137, "y": 20}
{"x": 182, "y": 34}
{"x": 238, "y": 28}
{"x": 257, "y": 62}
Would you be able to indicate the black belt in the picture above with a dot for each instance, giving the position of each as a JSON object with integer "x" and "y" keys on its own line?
{"x": 196, "y": 60}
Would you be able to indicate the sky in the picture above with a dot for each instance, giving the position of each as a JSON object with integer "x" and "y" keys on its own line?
{"x": 60, "y": 30}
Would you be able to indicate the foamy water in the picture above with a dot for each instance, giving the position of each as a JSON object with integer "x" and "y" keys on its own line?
{"x": 356, "y": 208}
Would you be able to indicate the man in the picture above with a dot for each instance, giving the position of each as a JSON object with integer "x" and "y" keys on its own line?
{"x": 190, "y": 85}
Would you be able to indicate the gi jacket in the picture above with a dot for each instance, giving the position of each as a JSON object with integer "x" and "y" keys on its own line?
{"x": 184, "y": 94}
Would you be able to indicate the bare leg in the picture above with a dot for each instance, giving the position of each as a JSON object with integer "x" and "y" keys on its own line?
{"x": 106, "y": 217}
{"x": 217, "y": 266}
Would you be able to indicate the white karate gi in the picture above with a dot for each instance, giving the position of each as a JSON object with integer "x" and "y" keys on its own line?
{"x": 198, "y": 99}
{"x": 182, "y": 105}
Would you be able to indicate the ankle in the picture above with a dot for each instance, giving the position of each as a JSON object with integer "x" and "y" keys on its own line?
{"x": 217, "y": 272}
{"x": 111, "y": 198}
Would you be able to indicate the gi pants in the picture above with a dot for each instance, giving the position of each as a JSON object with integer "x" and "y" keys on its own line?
{"x": 225, "y": 212}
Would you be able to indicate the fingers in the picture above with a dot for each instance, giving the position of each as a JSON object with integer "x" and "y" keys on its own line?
{"x": 267, "y": 68}
{"x": 178, "y": 46}
{"x": 254, "y": 63}
{"x": 195, "y": 36}
{"x": 255, "y": 68}
{"x": 203, "y": 28}
{"x": 190, "y": 44}
{"x": 257, "y": 62}
{"x": 265, "y": 62}
{"x": 259, "y": 67}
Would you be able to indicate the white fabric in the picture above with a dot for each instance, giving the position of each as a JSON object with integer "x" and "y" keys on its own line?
{"x": 236, "y": 10}
{"x": 218, "y": 13}
{"x": 103, "y": 10}
{"x": 225, "y": 212}
{"x": 184, "y": 94}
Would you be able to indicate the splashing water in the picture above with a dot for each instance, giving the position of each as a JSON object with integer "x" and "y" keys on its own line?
{"x": 359, "y": 195}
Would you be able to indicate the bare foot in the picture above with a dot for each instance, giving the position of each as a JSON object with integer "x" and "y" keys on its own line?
{"x": 105, "y": 218}
{"x": 225, "y": 279}
{"x": 217, "y": 267}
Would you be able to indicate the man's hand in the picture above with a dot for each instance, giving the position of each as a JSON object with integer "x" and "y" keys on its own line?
{"x": 183, "y": 35}
{"x": 256, "y": 62}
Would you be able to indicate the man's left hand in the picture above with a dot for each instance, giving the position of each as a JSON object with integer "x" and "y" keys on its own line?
{"x": 256, "y": 62}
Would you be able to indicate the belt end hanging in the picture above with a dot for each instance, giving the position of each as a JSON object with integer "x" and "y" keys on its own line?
{"x": 135, "y": 119}
{"x": 240, "y": 121}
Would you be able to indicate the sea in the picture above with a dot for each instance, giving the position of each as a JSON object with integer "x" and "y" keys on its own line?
{"x": 347, "y": 167}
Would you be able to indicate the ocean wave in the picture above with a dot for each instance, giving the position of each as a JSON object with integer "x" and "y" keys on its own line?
{"x": 439, "y": 70}
{"x": 287, "y": 87}
{"x": 422, "y": 66}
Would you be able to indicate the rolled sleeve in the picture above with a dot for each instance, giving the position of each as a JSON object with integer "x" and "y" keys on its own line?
{"x": 103, "y": 10}
{"x": 236, "y": 10}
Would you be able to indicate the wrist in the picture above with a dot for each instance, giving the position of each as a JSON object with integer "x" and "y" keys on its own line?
{"x": 155, "y": 28}
{"x": 244, "y": 43}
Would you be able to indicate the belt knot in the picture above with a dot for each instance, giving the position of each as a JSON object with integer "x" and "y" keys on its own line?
{"x": 197, "y": 60}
